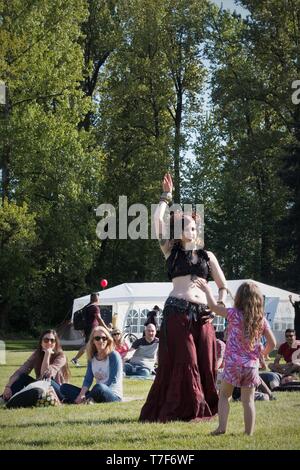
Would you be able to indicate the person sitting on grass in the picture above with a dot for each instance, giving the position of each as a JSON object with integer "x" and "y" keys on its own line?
{"x": 143, "y": 354}
{"x": 246, "y": 325}
{"x": 48, "y": 362}
{"x": 286, "y": 351}
{"x": 105, "y": 366}
{"x": 120, "y": 344}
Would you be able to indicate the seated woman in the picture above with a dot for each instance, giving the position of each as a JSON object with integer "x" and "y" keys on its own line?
{"x": 120, "y": 344}
{"x": 48, "y": 362}
{"x": 105, "y": 366}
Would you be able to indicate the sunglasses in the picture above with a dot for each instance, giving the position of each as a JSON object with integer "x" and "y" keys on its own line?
{"x": 116, "y": 334}
{"x": 100, "y": 338}
{"x": 49, "y": 340}
{"x": 289, "y": 336}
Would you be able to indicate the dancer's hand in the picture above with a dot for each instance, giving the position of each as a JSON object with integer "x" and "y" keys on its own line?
{"x": 167, "y": 183}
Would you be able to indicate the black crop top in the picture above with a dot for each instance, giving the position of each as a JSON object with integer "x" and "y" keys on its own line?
{"x": 179, "y": 263}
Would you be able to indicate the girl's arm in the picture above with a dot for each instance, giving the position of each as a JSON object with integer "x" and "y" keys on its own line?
{"x": 271, "y": 342}
{"x": 218, "y": 277}
{"x": 218, "y": 309}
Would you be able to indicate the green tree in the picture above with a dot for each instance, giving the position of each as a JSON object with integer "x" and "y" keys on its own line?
{"x": 251, "y": 193}
{"x": 17, "y": 242}
{"x": 50, "y": 163}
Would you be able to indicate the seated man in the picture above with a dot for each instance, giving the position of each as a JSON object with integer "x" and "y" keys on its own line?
{"x": 286, "y": 351}
{"x": 142, "y": 354}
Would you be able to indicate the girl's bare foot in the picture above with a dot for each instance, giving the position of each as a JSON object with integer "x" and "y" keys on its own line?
{"x": 217, "y": 432}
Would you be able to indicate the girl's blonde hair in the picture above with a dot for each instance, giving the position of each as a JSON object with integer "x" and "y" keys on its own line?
{"x": 250, "y": 301}
{"x": 91, "y": 348}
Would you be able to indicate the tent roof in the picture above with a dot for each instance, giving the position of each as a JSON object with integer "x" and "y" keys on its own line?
{"x": 159, "y": 291}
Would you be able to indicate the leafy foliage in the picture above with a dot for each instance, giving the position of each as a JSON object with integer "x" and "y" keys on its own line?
{"x": 105, "y": 96}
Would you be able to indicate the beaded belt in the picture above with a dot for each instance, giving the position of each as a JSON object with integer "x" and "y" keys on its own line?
{"x": 193, "y": 310}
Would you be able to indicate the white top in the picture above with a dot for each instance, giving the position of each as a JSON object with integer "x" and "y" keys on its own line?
{"x": 100, "y": 370}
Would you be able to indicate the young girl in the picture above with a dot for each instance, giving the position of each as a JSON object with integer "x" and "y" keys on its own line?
{"x": 246, "y": 325}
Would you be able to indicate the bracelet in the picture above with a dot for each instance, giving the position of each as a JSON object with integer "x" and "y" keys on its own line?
{"x": 220, "y": 302}
{"x": 167, "y": 197}
{"x": 223, "y": 288}
{"x": 161, "y": 199}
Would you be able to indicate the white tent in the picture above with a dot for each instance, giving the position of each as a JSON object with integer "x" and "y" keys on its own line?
{"x": 131, "y": 302}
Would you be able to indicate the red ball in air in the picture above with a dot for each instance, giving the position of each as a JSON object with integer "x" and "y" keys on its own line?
{"x": 103, "y": 283}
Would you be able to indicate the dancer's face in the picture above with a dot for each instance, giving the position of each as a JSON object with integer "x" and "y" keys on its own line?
{"x": 189, "y": 233}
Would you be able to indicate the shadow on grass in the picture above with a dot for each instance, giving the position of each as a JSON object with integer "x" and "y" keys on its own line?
{"x": 29, "y": 444}
{"x": 71, "y": 423}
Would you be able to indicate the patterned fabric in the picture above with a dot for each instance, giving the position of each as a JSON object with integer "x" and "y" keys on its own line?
{"x": 49, "y": 399}
{"x": 237, "y": 346}
{"x": 241, "y": 376}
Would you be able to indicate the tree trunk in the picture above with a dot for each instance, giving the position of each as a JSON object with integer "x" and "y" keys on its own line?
{"x": 5, "y": 160}
{"x": 177, "y": 147}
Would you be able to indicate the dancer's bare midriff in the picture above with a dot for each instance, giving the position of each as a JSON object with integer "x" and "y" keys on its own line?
{"x": 184, "y": 287}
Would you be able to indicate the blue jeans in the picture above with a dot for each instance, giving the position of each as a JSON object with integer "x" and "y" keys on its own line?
{"x": 23, "y": 380}
{"x": 131, "y": 369}
{"x": 272, "y": 379}
{"x": 101, "y": 393}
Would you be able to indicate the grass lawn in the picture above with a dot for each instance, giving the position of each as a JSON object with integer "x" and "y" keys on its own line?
{"x": 116, "y": 426}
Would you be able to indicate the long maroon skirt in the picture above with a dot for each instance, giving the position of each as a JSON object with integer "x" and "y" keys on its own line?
{"x": 184, "y": 386}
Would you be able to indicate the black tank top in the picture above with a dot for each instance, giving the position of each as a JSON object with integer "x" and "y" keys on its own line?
{"x": 180, "y": 263}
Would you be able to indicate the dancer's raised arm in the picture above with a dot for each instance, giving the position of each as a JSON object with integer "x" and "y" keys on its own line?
{"x": 159, "y": 223}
